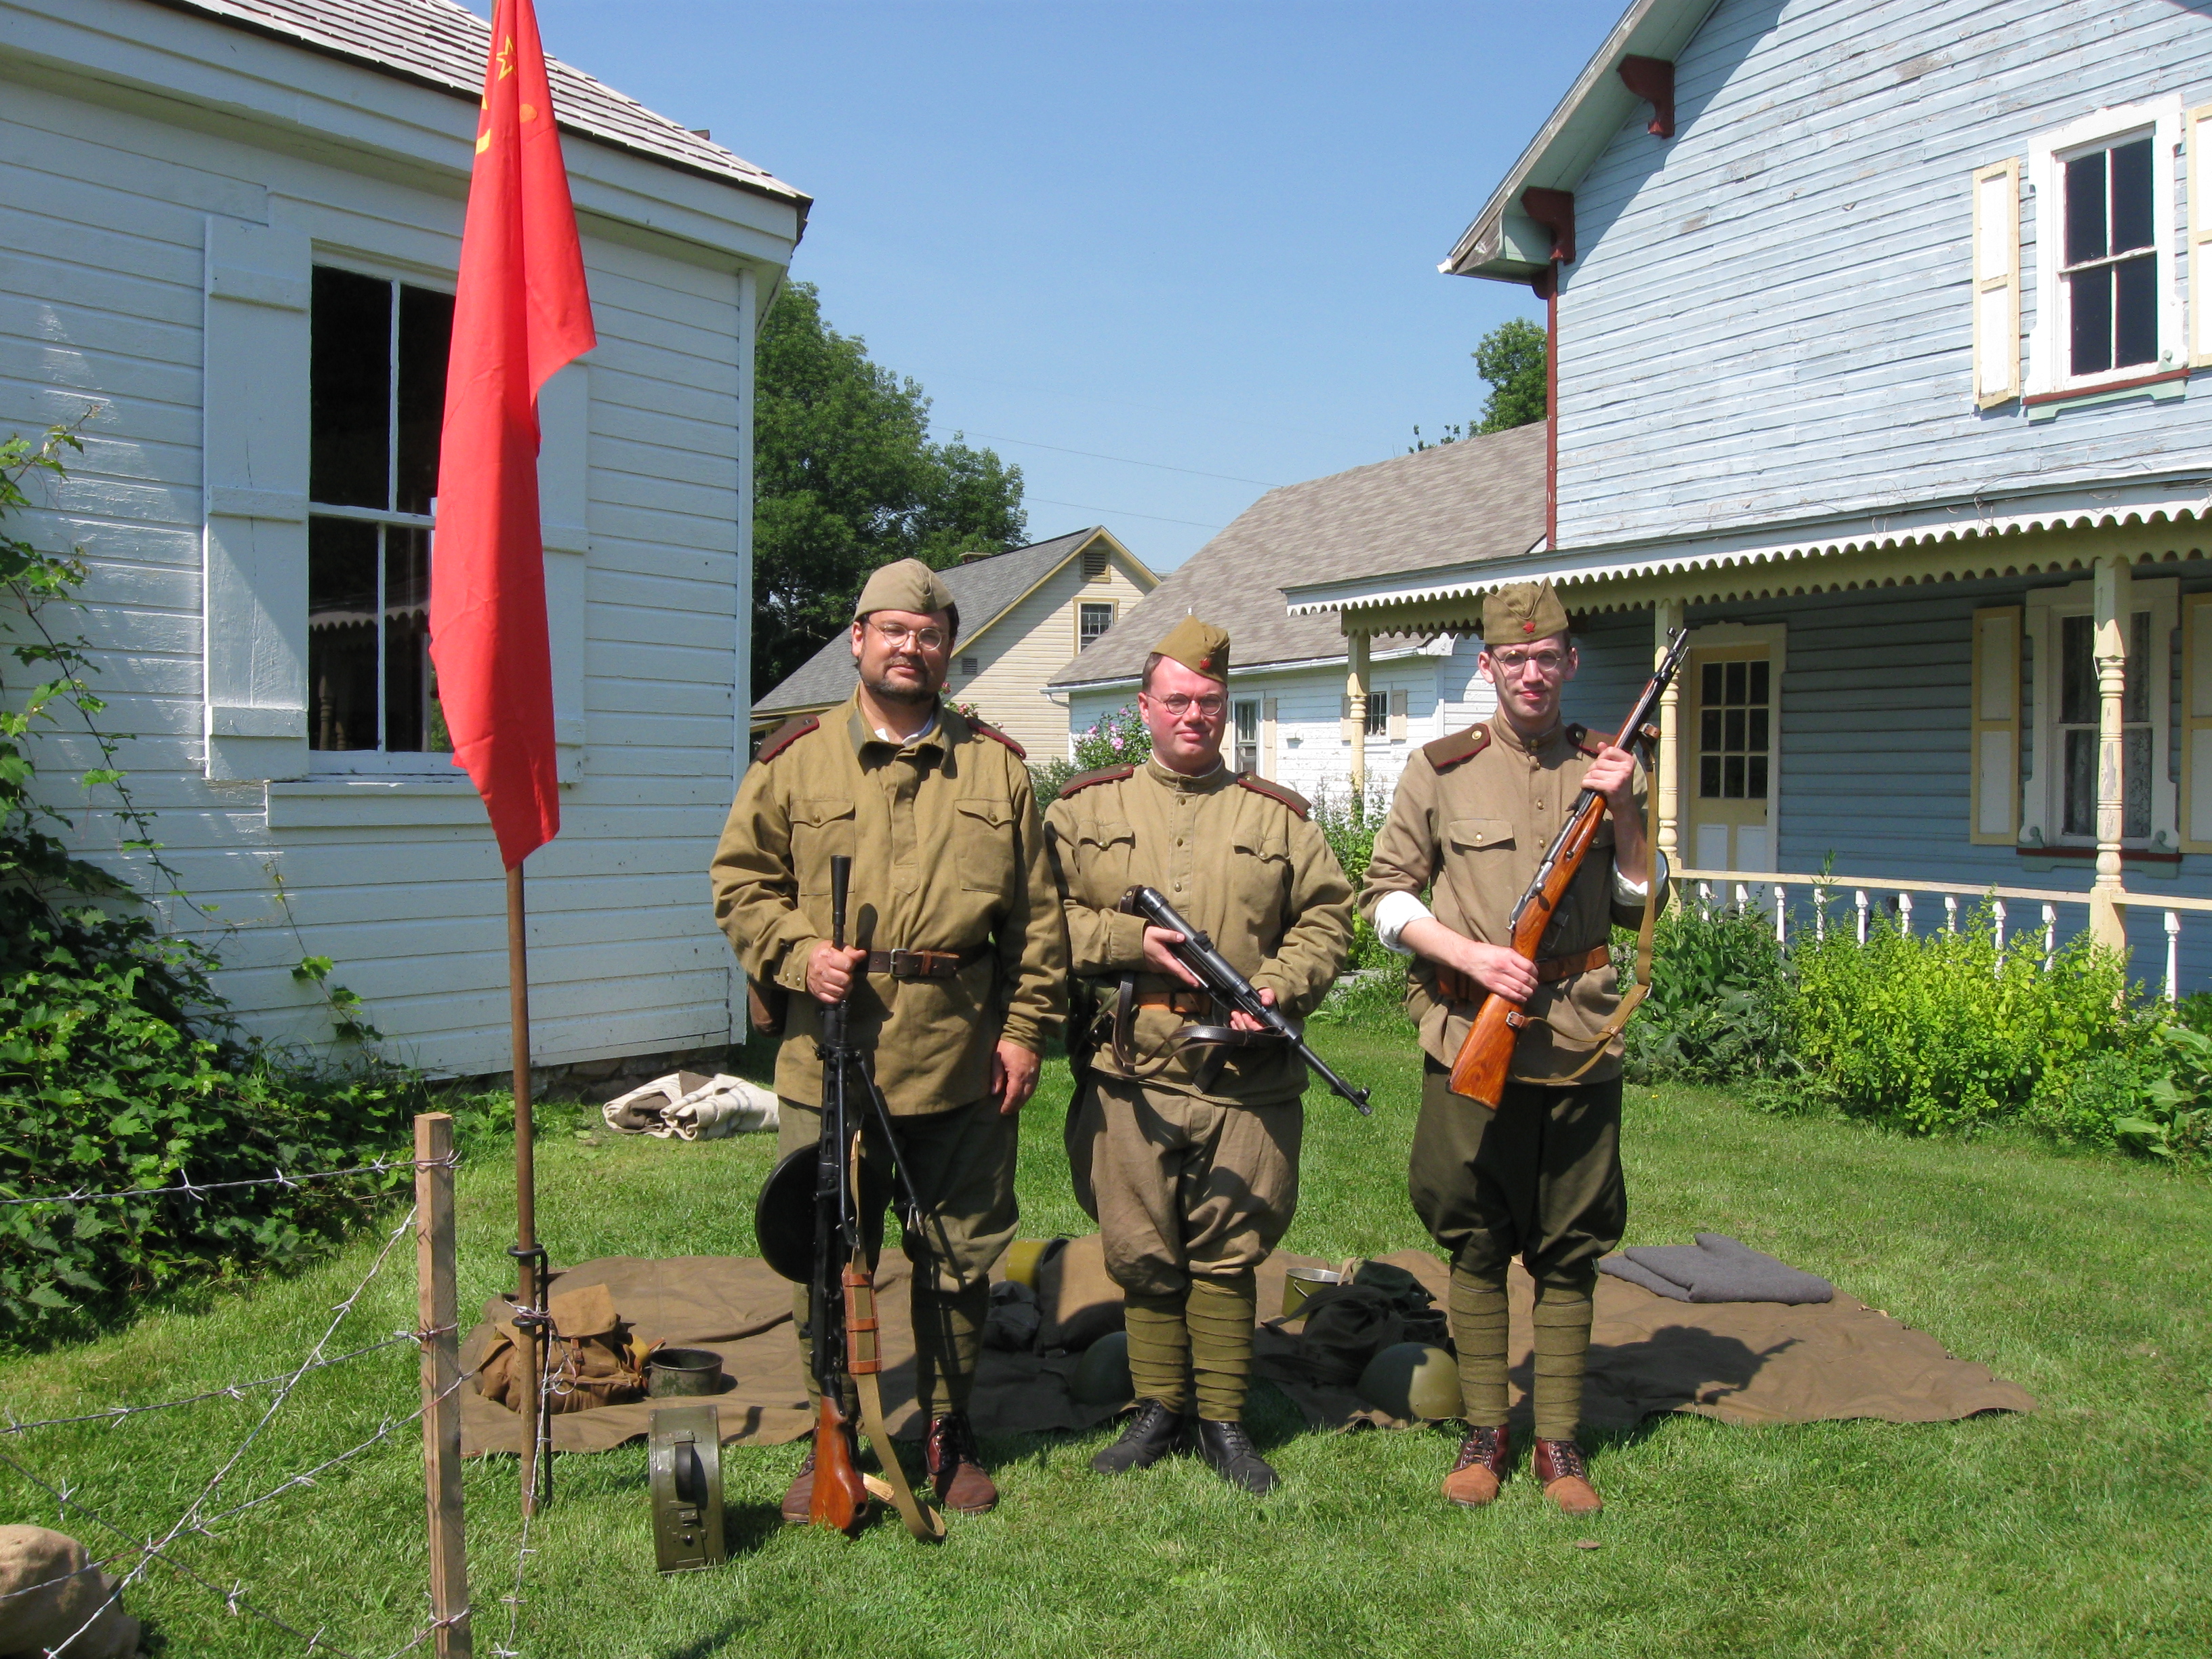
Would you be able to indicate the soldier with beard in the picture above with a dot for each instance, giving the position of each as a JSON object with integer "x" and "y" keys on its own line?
{"x": 956, "y": 973}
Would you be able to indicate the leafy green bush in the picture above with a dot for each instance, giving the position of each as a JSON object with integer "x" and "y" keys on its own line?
{"x": 1349, "y": 823}
{"x": 1047, "y": 778}
{"x": 1943, "y": 1031}
{"x": 1115, "y": 740}
{"x": 1716, "y": 1011}
{"x": 120, "y": 1068}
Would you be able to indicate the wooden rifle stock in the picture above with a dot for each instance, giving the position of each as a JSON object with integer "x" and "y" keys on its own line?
{"x": 1484, "y": 1062}
{"x": 1486, "y": 1058}
{"x": 840, "y": 1498}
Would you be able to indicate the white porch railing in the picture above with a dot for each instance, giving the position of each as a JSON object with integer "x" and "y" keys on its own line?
{"x": 1749, "y": 887}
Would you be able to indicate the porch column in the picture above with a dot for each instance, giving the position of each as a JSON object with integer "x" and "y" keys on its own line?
{"x": 1666, "y": 616}
{"x": 2114, "y": 585}
{"x": 1355, "y": 700}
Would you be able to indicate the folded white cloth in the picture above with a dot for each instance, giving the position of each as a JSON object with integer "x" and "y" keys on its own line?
{"x": 686, "y": 1106}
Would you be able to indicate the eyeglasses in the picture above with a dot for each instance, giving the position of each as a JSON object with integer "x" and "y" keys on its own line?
{"x": 1549, "y": 663}
{"x": 929, "y": 639}
{"x": 1177, "y": 704}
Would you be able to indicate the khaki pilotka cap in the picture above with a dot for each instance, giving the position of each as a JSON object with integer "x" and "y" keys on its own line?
{"x": 1198, "y": 645}
{"x": 908, "y": 585}
{"x": 1522, "y": 613}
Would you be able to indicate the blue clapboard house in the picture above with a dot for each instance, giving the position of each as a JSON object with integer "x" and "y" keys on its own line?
{"x": 1878, "y": 347}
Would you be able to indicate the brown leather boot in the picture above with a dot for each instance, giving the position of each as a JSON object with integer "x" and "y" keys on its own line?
{"x": 1480, "y": 1471}
{"x": 956, "y": 1466}
{"x": 799, "y": 1496}
{"x": 1560, "y": 1466}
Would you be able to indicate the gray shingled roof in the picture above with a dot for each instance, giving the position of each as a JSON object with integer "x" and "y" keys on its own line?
{"x": 439, "y": 44}
{"x": 982, "y": 588}
{"x": 1481, "y": 498}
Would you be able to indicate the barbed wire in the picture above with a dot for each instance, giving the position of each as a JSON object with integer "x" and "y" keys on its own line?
{"x": 199, "y": 1189}
{"x": 192, "y": 1517}
{"x": 229, "y": 1391}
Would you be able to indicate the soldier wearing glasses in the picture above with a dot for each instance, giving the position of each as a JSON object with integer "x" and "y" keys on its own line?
{"x": 1540, "y": 1178}
{"x": 1189, "y": 1158}
{"x": 956, "y": 970}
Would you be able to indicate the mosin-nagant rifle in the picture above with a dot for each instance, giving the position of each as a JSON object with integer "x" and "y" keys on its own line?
{"x": 1486, "y": 1058}
{"x": 820, "y": 1185}
{"x": 1216, "y": 975}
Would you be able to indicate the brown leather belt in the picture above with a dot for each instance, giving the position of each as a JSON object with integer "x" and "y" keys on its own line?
{"x": 1458, "y": 987}
{"x": 923, "y": 964}
{"x": 1194, "y": 1004}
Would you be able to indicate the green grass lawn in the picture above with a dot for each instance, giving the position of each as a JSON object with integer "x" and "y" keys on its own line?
{"x": 2080, "y": 1530}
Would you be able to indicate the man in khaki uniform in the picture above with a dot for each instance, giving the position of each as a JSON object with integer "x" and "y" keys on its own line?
{"x": 956, "y": 965}
{"x": 1539, "y": 1177}
{"x": 1188, "y": 1158}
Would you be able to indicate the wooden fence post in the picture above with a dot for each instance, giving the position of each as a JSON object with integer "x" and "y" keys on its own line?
{"x": 438, "y": 1310}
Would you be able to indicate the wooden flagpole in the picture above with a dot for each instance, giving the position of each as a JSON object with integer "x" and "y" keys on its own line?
{"x": 529, "y": 1254}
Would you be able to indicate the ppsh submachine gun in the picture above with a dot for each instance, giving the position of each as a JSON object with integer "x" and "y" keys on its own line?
{"x": 811, "y": 1229}
{"x": 1219, "y": 978}
{"x": 1485, "y": 1062}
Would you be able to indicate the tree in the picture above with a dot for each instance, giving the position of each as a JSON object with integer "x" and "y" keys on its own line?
{"x": 845, "y": 479}
{"x": 1511, "y": 358}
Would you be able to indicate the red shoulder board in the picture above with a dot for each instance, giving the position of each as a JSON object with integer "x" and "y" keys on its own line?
{"x": 1020, "y": 753}
{"x": 1275, "y": 792}
{"x": 1104, "y": 775}
{"x": 1579, "y": 736}
{"x": 785, "y": 735}
{"x": 1447, "y": 752}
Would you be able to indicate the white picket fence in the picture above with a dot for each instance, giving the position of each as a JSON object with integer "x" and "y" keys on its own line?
{"x": 1769, "y": 891}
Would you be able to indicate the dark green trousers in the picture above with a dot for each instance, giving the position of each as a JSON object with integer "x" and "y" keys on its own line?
{"x": 963, "y": 1165}
{"x": 1538, "y": 1179}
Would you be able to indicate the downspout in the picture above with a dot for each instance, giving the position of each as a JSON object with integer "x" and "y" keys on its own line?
{"x": 1554, "y": 209}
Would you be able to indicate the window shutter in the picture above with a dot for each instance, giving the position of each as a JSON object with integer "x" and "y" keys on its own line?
{"x": 254, "y": 416}
{"x": 2196, "y": 723}
{"x": 564, "y": 421}
{"x": 2196, "y": 128}
{"x": 1997, "y": 725}
{"x": 1397, "y": 719}
{"x": 1269, "y": 716}
{"x": 1996, "y": 283}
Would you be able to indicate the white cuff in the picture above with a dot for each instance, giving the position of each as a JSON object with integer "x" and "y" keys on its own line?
{"x": 1625, "y": 891}
{"x": 1392, "y": 912}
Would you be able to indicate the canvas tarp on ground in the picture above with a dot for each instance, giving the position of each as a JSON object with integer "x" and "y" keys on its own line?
{"x": 1746, "y": 1362}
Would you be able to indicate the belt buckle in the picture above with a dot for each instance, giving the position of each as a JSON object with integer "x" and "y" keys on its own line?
{"x": 906, "y": 964}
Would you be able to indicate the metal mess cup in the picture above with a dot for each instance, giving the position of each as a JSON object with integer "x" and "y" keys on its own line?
{"x": 1299, "y": 1283}
{"x": 682, "y": 1372}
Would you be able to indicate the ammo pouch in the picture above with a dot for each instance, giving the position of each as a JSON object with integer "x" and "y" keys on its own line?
{"x": 594, "y": 1360}
{"x": 767, "y": 1006}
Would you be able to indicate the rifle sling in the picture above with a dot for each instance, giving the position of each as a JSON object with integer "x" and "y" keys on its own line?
{"x": 1642, "y": 987}
{"x": 863, "y": 1358}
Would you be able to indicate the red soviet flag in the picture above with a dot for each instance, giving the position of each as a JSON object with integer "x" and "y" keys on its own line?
{"x": 520, "y": 311}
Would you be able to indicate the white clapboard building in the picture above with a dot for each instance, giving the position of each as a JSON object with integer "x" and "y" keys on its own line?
{"x": 228, "y": 231}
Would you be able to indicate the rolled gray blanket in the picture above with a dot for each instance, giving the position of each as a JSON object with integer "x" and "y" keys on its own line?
{"x": 1716, "y": 1268}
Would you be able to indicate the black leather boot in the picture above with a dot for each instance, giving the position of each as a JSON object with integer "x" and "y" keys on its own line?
{"x": 1228, "y": 1451}
{"x": 1152, "y": 1432}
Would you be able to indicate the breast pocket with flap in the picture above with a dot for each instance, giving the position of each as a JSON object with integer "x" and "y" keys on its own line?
{"x": 820, "y": 831}
{"x": 983, "y": 843}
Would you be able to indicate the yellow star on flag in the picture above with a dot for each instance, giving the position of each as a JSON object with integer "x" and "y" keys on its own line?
{"x": 506, "y": 58}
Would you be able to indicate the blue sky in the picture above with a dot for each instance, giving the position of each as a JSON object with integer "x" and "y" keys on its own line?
{"x": 1198, "y": 236}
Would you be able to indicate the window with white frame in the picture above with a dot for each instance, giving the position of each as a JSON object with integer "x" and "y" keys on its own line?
{"x": 2058, "y": 796}
{"x": 1378, "y": 715}
{"x": 1247, "y": 734}
{"x": 1091, "y": 621}
{"x": 2108, "y": 307}
{"x": 376, "y": 391}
